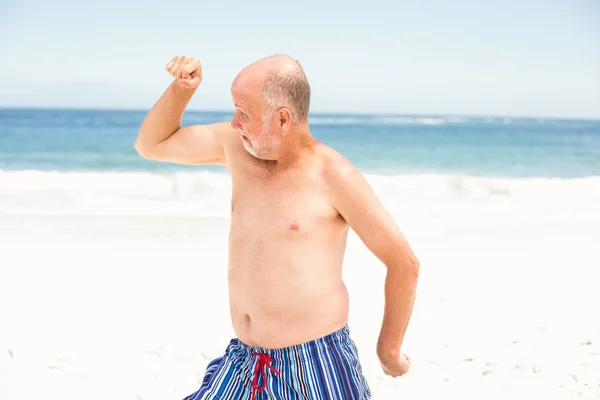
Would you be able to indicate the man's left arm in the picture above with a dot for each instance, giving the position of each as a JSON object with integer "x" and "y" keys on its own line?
{"x": 356, "y": 201}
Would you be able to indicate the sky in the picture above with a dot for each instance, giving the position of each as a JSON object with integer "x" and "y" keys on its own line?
{"x": 465, "y": 57}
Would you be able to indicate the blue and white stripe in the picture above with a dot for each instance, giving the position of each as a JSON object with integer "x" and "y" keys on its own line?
{"x": 327, "y": 368}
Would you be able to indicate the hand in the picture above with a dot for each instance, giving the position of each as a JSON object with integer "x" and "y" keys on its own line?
{"x": 395, "y": 366}
{"x": 186, "y": 70}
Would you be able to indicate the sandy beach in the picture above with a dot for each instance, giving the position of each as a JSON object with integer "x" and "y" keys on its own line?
{"x": 122, "y": 305}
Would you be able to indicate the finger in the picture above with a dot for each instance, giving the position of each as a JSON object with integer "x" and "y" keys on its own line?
{"x": 179, "y": 67}
{"x": 185, "y": 72}
{"x": 178, "y": 64}
{"x": 182, "y": 71}
{"x": 197, "y": 69}
{"x": 195, "y": 82}
{"x": 172, "y": 66}
{"x": 170, "y": 63}
{"x": 186, "y": 59}
{"x": 175, "y": 67}
{"x": 189, "y": 70}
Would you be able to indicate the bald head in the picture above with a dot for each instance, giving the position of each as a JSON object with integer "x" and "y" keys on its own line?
{"x": 282, "y": 83}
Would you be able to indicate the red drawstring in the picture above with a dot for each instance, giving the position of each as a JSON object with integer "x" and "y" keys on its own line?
{"x": 263, "y": 362}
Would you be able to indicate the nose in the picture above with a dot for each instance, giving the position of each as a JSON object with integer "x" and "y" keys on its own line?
{"x": 235, "y": 122}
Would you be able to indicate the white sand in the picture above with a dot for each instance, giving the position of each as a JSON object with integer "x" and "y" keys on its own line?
{"x": 134, "y": 307}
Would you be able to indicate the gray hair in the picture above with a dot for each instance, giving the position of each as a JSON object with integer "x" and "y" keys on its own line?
{"x": 287, "y": 87}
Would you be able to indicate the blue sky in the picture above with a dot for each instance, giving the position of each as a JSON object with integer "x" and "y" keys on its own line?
{"x": 529, "y": 58}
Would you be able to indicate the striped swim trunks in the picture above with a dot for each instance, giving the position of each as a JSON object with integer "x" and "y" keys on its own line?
{"x": 327, "y": 368}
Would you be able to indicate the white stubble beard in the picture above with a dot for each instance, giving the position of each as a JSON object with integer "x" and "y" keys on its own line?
{"x": 250, "y": 148}
{"x": 266, "y": 134}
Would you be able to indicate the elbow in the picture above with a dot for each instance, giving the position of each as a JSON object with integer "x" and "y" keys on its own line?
{"x": 412, "y": 266}
{"x": 406, "y": 264}
{"x": 148, "y": 144}
{"x": 142, "y": 150}
{"x": 138, "y": 146}
{"x": 416, "y": 266}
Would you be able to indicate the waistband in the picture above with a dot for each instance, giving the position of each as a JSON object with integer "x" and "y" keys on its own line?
{"x": 299, "y": 352}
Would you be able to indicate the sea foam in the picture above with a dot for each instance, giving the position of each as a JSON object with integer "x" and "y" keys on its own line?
{"x": 441, "y": 199}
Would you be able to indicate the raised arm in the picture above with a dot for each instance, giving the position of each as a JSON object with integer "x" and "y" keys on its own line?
{"x": 161, "y": 136}
{"x": 356, "y": 202}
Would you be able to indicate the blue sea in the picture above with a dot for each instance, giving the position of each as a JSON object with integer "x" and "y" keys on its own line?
{"x": 428, "y": 170}
{"x": 95, "y": 140}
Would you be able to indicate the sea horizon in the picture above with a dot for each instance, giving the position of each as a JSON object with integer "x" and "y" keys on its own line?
{"x": 320, "y": 113}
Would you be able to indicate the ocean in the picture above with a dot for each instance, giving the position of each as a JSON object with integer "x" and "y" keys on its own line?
{"x": 436, "y": 167}
{"x": 102, "y": 141}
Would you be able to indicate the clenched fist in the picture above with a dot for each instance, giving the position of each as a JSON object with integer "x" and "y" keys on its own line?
{"x": 186, "y": 70}
{"x": 395, "y": 366}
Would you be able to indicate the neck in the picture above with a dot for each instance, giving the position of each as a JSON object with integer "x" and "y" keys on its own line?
{"x": 297, "y": 144}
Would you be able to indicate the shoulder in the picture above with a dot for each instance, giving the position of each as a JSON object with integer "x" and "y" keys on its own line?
{"x": 337, "y": 171}
{"x": 342, "y": 181}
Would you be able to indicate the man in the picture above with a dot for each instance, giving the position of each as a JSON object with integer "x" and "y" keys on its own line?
{"x": 293, "y": 201}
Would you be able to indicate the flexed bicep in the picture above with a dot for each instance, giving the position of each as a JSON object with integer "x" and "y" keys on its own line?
{"x": 193, "y": 145}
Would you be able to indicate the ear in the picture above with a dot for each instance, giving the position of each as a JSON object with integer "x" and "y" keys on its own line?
{"x": 285, "y": 120}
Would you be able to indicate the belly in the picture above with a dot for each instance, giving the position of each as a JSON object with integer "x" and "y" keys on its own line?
{"x": 285, "y": 291}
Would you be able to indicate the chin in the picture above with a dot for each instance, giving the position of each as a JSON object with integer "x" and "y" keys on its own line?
{"x": 249, "y": 148}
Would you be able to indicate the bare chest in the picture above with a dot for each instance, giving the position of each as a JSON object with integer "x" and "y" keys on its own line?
{"x": 292, "y": 205}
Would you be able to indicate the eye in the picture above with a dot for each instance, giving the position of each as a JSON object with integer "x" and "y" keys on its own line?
{"x": 243, "y": 115}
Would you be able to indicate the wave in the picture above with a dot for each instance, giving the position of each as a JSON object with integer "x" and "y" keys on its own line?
{"x": 386, "y": 120}
{"x": 427, "y": 120}
{"x": 445, "y": 120}
{"x": 323, "y": 120}
{"x": 419, "y": 200}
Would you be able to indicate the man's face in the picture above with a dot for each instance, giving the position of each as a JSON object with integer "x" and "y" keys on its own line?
{"x": 255, "y": 126}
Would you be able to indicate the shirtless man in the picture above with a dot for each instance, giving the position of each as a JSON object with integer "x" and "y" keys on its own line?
{"x": 293, "y": 201}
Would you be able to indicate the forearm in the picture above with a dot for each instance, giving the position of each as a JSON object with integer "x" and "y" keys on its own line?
{"x": 164, "y": 118}
{"x": 400, "y": 293}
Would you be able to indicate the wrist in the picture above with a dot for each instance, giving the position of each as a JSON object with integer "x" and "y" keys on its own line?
{"x": 387, "y": 351}
{"x": 181, "y": 89}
